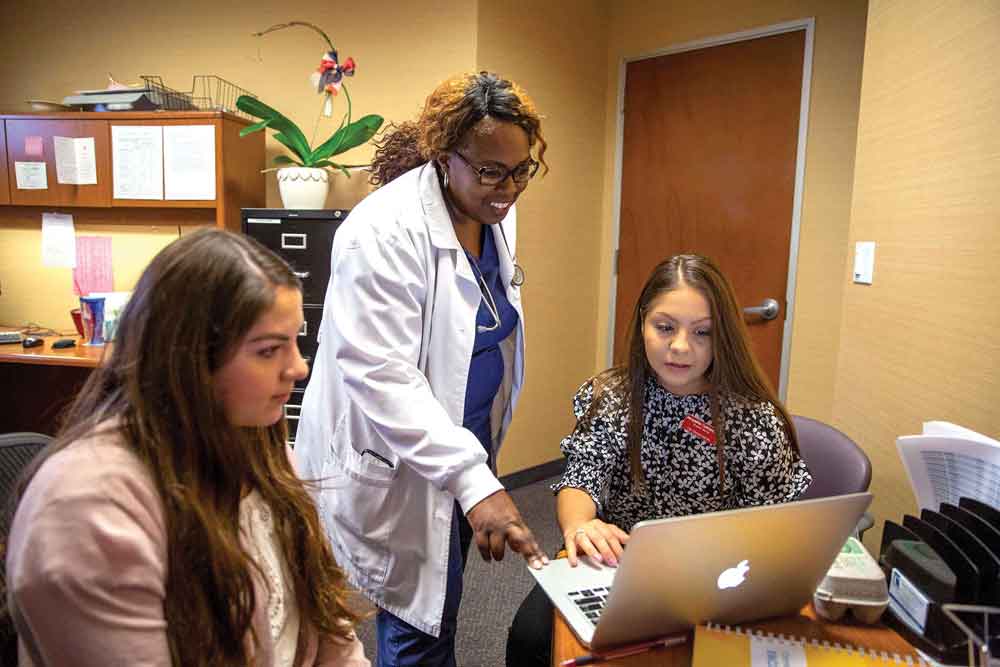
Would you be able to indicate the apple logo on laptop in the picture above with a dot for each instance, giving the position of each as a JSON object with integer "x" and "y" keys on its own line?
{"x": 733, "y": 576}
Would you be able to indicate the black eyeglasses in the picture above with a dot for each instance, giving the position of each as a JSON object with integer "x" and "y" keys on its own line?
{"x": 493, "y": 175}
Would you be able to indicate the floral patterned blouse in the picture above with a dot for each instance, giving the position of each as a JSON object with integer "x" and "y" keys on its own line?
{"x": 681, "y": 469}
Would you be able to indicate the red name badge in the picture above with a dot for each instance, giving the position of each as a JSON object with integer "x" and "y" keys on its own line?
{"x": 698, "y": 428}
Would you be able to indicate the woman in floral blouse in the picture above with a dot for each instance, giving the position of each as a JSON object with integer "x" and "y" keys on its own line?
{"x": 689, "y": 424}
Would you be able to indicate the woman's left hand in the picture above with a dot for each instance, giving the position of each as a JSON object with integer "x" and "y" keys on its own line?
{"x": 603, "y": 542}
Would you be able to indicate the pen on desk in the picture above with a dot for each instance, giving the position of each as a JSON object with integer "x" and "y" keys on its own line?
{"x": 623, "y": 651}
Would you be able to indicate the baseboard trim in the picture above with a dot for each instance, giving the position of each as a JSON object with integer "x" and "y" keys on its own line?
{"x": 534, "y": 474}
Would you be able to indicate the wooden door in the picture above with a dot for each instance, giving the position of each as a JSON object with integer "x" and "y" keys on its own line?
{"x": 4, "y": 190}
{"x": 708, "y": 166}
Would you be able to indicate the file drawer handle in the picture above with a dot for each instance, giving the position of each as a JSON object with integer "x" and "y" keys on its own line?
{"x": 293, "y": 241}
{"x": 304, "y": 331}
{"x": 289, "y": 409}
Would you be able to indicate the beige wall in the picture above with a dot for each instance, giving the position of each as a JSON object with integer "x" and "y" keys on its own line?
{"x": 402, "y": 49}
{"x": 916, "y": 345}
{"x": 920, "y": 343}
{"x": 559, "y": 229}
{"x": 642, "y": 27}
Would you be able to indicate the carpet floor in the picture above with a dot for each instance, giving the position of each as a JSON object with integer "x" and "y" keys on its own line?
{"x": 493, "y": 591}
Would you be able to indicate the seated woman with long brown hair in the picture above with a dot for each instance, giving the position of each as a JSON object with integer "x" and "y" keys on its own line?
{"x": 165, "y": 525}
{"x": 688, "y": 424}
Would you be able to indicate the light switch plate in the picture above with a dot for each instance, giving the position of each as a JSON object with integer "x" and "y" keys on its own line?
{"x": 864, "y": 262}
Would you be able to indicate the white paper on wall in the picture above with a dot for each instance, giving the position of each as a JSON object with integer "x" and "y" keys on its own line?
{"x": 58, "y": 240}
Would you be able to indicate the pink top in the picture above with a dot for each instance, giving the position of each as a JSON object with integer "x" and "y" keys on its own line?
{"x": 87, "y": 565}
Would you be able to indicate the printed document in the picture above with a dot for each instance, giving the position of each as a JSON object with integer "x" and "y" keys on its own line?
{"x": 76, "y": 163}
{"x": 31, "y": 176}
{"x": 137, "y": 156}
{"x": 58, "y": 240}
{"x": 947, "y": 462}
{"x": 189, "y": 161}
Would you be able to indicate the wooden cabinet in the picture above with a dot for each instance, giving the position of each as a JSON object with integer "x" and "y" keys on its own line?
{"x": 30, "y": 138}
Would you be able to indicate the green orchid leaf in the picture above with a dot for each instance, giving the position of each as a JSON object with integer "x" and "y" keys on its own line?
{"x": 250, "y": 129}
{"x": 303, "y": 157}
{"x": 284, "y": 159}
{"x": 349, "y": 136}
{"x": 327, "y": 163}
{"x": 287, "y": 132}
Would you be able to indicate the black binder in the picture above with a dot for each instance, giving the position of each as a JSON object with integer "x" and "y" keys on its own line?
{"x": 932, "y": 575}
{"x": 906, "y": 554}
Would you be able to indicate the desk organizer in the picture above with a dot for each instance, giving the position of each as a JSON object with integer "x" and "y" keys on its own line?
{"x": 939, "y": 565}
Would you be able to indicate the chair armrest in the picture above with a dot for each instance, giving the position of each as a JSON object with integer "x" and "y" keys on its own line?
{"x": 864, "y": 523}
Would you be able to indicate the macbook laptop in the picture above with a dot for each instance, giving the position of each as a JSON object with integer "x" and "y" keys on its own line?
{"x": 726, "y": 567}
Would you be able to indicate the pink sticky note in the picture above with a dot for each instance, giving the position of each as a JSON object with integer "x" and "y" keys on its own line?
{"x": 33, "y": 147}
{"x": 93, "y": 272}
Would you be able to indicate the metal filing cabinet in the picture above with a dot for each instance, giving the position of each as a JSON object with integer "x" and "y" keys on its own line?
{"x": 303, "y": 239}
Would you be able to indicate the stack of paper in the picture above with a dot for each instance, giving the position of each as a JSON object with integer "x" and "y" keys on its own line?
{"x": 948, "y": 462}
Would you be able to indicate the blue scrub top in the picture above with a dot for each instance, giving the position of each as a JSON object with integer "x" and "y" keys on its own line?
{"x": 486, "y": 369}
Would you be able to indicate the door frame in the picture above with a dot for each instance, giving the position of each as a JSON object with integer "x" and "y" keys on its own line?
{"x": 809, "y": 25}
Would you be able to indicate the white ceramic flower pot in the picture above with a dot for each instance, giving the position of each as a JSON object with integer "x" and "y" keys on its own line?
{"x": 303, "y": 187}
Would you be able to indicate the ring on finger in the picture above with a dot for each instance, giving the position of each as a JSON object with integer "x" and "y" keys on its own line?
{"x": 579, "y": 531}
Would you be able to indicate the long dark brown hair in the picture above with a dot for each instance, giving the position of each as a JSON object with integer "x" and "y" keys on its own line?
{"x": 188, "y": 313}
{"x": 733, "y": 374}
{"x": 454, "y": 108}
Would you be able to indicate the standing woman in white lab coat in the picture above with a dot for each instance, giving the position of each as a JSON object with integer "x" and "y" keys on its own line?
{"x": 420, "y": 363}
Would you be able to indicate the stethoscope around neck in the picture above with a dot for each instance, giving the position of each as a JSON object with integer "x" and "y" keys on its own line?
{"x": 517, "y": 279}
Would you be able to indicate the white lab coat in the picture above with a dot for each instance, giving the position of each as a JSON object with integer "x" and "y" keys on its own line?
{"x": 381, "y": 416}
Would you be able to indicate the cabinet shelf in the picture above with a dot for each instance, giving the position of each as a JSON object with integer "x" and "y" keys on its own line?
{"x": 239, "y": 182}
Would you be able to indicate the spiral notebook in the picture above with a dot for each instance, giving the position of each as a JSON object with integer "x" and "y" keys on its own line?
{"x": 716, "y": 645}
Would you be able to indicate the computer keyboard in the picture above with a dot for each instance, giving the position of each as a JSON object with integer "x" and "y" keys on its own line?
{"x": 591, "y": 601}
{"x": 10, "y": 337}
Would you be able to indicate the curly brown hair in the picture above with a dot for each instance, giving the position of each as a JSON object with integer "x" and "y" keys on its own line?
{"x": 454, "y": 108}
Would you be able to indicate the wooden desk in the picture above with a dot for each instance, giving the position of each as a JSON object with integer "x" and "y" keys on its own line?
{"x": 806, "y": 624}
{"x": 37, "y": 383}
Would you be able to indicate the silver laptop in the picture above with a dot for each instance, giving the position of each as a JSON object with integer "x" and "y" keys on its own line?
{"x": 726, "y": 567}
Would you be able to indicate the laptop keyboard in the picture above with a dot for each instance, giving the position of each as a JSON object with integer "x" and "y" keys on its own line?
{"x": 590, "y": 601}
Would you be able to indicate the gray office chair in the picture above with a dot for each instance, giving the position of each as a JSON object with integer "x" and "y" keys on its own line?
{"x": 16, "y": 451}
{"x": 838, "y": 465}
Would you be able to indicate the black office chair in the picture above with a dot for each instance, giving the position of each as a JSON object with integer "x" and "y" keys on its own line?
{"x": 838, "y": 465}
{"x": 16, "y": 451}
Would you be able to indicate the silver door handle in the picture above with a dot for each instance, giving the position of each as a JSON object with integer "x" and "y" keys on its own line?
{"x": 768, "y": 309}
